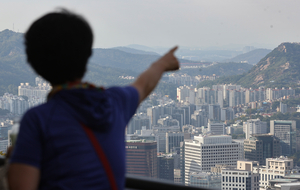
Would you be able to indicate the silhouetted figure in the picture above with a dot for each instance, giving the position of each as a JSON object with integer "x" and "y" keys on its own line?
{"x": 54, "y": 149}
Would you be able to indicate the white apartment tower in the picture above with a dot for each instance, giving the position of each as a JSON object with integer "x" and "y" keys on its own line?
{"x": 254, "y": 126}
{"x": 31, "y": 92}
{"x": 205, "y": 152}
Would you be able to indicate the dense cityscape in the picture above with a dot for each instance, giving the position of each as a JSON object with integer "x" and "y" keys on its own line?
{"x": 215, "y": 103}
{"x": 198, "y": 139}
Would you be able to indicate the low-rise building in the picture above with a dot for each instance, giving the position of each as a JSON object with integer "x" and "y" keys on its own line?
{"x": 206, "y": 180}
{"x": 275, "y": 168}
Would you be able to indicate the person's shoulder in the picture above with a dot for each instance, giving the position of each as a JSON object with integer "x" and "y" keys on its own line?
{"x": 42, "y": 109}
{"x": 118, "y": 90}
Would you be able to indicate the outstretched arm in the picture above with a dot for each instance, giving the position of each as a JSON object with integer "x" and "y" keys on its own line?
{"x": 148, "y": 80}
{"x": 23, "y": 177}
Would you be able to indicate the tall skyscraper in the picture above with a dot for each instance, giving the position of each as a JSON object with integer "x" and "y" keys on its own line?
{"x": 261, "y": 146}
{"x": 285, "y": 131}
{"x": 141, "y": 158}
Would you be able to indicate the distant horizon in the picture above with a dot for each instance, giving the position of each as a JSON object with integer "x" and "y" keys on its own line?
{"x": 223, "y": 47}
{"x": 214, "y": 24}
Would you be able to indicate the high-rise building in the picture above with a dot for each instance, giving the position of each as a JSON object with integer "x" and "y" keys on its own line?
{"x": 187, "y": 114}
{"x": 141, "y": 158}
{"x": 182, "y": 162}
{"x": 205, "y": 152}
{"x": 272, "y": 94}
{"x": 227, "y": 114}
{"x": 241, "y": 151}
{"x": 254, "y": 126}
{"x": 261, "y": 146}
{"x": 285, "y": 131}
{"x": 216, "y": 128}
{"x": 177, "y": 176}
{"x": 181, "y": 112}
{"x": 167, "y": 121}
{"x": 179, "y": 118}
{"x": 214, "y": 112}
{"x": 199, "y": 118}
{"x": 40, "y": 91}
{"x": 137, "y": 122}
{"x": 182, "y": 93}
{"x": 14, "y": 104}
{"x": 154, "y": 113}
{"x": 160, "y": 135}
{"x": 283, "y": 107}
{"x": 165, "y": 166}
{"x": 173, "y": 140}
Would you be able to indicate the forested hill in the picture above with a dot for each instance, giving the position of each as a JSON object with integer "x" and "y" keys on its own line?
{"x": 124, "y": 60}
{"x": 219, "y": 69}
{"x": 279, "y": 68}
{"x": 13, "y": 66}
{"x": 252, "y": 57}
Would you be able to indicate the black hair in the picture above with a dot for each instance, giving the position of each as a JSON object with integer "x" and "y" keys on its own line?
{"x": 58, "y": 46}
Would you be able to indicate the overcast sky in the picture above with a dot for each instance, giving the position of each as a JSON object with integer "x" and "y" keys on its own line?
{"x": 192, "y": 23}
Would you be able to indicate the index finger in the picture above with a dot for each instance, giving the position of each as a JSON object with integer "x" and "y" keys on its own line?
{"x": 173, "y": 49}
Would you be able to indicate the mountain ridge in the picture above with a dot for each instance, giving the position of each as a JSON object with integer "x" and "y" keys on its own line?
{"x": 252, "y": 57}
{"x": 279, "y": 68}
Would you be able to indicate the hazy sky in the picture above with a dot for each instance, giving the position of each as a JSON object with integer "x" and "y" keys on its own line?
{"x": 193, "y": 23}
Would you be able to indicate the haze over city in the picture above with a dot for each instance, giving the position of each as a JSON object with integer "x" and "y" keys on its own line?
{"x": 193, "y": 23}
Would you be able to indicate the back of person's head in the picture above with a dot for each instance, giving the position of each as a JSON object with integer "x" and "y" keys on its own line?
{"x": 58, "y": 46}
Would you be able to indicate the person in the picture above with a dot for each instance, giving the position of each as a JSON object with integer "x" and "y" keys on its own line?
{"x": 52, "y": 149}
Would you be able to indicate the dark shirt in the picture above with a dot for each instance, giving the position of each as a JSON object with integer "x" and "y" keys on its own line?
{"x": 52, "y": 139}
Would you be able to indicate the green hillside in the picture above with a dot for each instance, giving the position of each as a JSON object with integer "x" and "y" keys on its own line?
{"x": 13, "y": 68}
{"x": 279, "y": 68}
{"x": 220, "y": 69}
{"x": 252, "y": 57}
